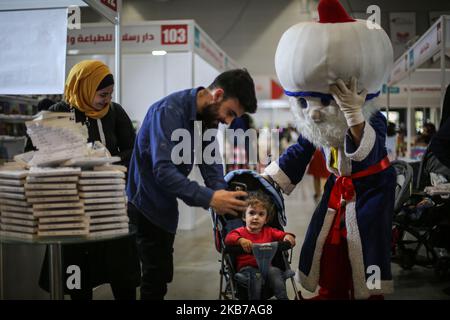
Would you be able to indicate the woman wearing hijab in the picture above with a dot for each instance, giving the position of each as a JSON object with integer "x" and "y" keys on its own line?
{"x": 88, "y": 93}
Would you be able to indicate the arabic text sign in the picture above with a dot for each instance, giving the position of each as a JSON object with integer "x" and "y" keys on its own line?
{"x": 142, "y": 38}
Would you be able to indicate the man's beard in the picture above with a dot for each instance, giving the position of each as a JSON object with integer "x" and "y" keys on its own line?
{"x": 331, "y": 131}
{"x": 209, "y": 116}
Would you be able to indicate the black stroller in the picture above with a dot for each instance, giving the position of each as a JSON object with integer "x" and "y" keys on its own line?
{"x": 420, "y": 224}
{"x": 234, "y": 285}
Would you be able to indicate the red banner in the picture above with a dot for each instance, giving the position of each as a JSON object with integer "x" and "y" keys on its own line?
{"x": 112, "y": 4}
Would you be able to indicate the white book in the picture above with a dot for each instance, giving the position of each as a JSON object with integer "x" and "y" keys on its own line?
{"x": 30, "y": 223}
{"x": 20, "y": 203}
{"x": 13, "y": 165}
{"x": 79, "y": 218}
{"x": 101, "y": 181}
{"x": 14, "y": 208}
{"x": 63, "y": 225}
{"x": 53, "y": 199}
{"x": 102, "y": 174}
{"x": 67, "y": 232}
{"x": 102, "y": 194}
{"x": 52, "y": 179}
{"x": 52, "y": 213}
{"x": 23, "y": 216}
{"x": 110, "y": 167}
{"x": 108, "y": 232}
{"x": 104, "y": 200}
{"x": 11, "y": 182}
{"x": 10, "y": 227}
{"x": 105, "y": 226}
{"x": 24, "y": 158}
{"x": 109, "y": 206}
{"x": 12, "y": 189}
{"x": 21, "y": 235}
{"x": 18, "y": 196}
{"x": 90, "y": 161}
{"x": 100, "y": 213}
{"x": 48, "y": 172}
{"x": 50, "y": 192}
{"x": 38, "y": 206}
{"x": 102, "y": 187}
{"x": 50, "y": 186}
{"x": 13, "y": 174}
{"x": 96, "y": 220}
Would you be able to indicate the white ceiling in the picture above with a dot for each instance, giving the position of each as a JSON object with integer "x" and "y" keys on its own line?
{"x": 249, "y": 30}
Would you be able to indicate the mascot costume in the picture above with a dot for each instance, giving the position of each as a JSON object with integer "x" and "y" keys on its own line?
{"x": 332, "y": 70}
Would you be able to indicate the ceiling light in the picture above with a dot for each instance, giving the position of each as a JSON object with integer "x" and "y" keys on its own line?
{"x": 159, "y": 52}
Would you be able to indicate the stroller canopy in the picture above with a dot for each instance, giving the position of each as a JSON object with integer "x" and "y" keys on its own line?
{"x": 254, "y": 182}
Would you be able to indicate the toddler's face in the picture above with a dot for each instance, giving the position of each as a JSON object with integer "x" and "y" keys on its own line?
{"x": 255, "y": 218}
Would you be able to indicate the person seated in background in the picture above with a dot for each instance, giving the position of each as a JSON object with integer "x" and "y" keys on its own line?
{"x": 259, "y": 212}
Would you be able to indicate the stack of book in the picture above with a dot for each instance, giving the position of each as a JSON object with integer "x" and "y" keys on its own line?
{"x": 57, "y": 137}
{"x": 105, "y": 202}
{"x": 53, "y": 194}
{"x": 16, "y": 214}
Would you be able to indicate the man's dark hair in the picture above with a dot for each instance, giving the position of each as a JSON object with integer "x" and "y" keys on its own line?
{"x": 237, "y": 84}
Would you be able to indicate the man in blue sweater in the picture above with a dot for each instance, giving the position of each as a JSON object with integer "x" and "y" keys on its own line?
{"x": 156, "y": 181}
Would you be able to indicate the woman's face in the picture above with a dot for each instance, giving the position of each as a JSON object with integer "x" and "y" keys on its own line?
{"x": 103, "y": 97}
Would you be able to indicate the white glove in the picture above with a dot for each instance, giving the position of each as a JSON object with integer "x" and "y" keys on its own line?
{"x": 349, "y": 101}
{"x": 269, "y": 179}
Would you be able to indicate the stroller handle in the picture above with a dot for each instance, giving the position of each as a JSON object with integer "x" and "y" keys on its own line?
{"x": 237, "y": 249}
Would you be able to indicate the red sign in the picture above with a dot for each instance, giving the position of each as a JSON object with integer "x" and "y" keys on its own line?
{"x": 277, "y": 91}
{"x": 112, "y": 4}
{"x": 174, "y": 34}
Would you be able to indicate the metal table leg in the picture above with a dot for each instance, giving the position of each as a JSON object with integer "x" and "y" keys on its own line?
{"x": 55, "y": 272}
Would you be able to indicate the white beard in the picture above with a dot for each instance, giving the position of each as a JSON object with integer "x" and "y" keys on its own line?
{"x": 331, "y": 131}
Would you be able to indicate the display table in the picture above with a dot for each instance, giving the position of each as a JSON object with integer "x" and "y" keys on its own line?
{"x": 54, "y": 245}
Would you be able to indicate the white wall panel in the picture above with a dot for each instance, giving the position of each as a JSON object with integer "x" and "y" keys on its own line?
{"x": 33, "y": 51}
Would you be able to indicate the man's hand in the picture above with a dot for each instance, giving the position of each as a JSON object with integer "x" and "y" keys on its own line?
{"x": 289, "y": 238}
{"x": 349, "y": 101}
{"x": 247, "y": 245}
{"x": 227, "y": 202}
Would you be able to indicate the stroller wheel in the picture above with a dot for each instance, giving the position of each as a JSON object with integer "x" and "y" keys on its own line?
{"x": 407, "y": 258}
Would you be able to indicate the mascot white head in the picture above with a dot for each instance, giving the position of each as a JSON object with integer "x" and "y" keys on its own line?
{"x": 311, "y": 56}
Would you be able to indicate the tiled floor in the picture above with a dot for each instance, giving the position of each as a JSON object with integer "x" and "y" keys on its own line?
{"x": 197, "y": 267}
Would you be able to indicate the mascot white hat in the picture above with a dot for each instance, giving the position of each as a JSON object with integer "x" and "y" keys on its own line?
{"x": 312, "y": 55}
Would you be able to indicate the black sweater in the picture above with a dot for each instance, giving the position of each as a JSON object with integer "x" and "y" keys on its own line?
{"x": 117, "y": 129}
{"x": 440, "y": 144}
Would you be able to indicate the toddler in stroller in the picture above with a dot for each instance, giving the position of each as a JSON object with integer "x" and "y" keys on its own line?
{"x": 257, "y": 215}
{"x": 254, "y": 260}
